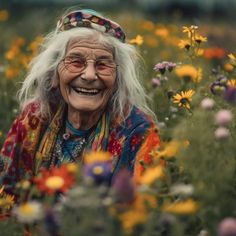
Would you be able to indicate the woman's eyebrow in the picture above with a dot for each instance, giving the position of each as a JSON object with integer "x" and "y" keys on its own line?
{"x": 75, "y": 54}
{"x": 104, "y": 57}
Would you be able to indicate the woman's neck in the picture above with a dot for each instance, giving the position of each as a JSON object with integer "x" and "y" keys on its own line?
{"x": 83, "y": 120}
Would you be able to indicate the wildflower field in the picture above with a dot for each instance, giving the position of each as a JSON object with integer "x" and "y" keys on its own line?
{"x": 190, "y": 76}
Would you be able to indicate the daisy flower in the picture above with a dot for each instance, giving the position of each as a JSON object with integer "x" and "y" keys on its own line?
{"x": 28, "y": 212}
{"x": 184, "y": 98}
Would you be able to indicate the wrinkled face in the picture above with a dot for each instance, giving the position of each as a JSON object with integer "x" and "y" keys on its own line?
{"x": 87, "y": 76}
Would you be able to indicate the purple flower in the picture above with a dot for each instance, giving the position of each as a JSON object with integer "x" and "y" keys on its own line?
{"x": 230, "y": 95}
{"x": 52, "y": 223}
{"x": 100, "y": 172}
{"x": 227, "y": 227}
{"x": 220, "y": 85}
{"x": 123, "y": 186}
{"x": 163, "y": 66}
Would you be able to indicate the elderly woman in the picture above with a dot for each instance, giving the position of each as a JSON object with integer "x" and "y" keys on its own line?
{"x": 82, "y": 94}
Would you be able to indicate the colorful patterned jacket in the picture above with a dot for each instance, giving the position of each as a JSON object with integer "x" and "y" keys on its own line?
{"x": 31, "y": 140}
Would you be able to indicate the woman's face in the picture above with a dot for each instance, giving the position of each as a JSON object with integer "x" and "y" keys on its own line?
{"x": 87, "y": 75}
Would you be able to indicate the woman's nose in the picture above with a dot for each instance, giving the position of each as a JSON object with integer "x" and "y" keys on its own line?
{"x": 89, "y": 72}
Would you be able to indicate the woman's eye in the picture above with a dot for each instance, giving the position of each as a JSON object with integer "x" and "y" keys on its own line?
{"x": 102, "y": 64}
{"x": 77, "y": 62}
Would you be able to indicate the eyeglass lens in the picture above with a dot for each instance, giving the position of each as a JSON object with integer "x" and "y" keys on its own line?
{"x": 78, "y": 64}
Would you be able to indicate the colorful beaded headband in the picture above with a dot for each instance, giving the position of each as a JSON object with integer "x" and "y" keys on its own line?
{"x": 90, "y": 19}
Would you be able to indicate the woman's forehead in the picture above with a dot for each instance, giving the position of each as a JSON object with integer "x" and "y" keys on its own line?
{"x": 89, "y": 45}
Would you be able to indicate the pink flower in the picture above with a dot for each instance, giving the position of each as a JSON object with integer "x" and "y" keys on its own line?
{"x": 221, "y": 133}
{"x": 227, "y": 227}
{"x": 223, "y": 117}
{"x": 207, "y": 103}
{"x": 156, "y": 82}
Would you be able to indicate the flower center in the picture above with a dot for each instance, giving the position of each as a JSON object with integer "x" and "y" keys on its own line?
{"x": 26, "y": 209}
{"x": 184, "y": 100}
{"x": 54, "y": 182}
{"x": 97, "y": 170}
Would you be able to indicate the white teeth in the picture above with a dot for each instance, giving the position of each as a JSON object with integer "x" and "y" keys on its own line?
{"x": 90, "y": 91}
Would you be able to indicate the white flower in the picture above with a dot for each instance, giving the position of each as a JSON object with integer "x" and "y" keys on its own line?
{"x": 223, "y": 117}
{"x": 28, "y": 212}
{"x": 221, "y": 133}
{"x": 182, "y": 189}
{"x": 207, "y": 103}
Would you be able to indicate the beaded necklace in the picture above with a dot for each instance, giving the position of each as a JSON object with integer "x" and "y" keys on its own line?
{"x": 70, "y": 145}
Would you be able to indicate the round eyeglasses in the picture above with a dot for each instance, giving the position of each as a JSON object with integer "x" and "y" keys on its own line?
{"x": 103, "y": 67}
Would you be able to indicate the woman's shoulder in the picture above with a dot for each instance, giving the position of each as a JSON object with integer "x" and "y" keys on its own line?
{"x": 136, "y": 120}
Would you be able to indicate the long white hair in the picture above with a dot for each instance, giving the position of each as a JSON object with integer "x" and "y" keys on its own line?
{"x": 38, "y": 85}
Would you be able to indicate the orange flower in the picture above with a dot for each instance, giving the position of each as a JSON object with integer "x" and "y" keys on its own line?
{"x": 217, "y": 53}
{"x": 55, "y": 180}
{"x": 162, "y": 32}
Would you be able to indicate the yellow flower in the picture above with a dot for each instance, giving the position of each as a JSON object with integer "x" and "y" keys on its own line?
{"x": 131, "y": 218}
{"x": 232, "y": 57}
{"x": 6, "y": 201}
{"x": 12, "y": 53}
{"x": 189, "y": 72}
{"x": 188, "y": 206}
{"x": 199, "y": 39}
{"x": 4, "y": 15}
{"x": 99, "y": 156}
{"x": 11, "y": 73}
{"x": 162, "y": 32}
{"x": 34, "y": 45}
{"x": 199, "y": 51}
{"x": 228, "y": 67}
{"x": 169, "y": 150}
{"x": 147, "y": 25}
{"x": 138, "y": 213}
{"x": 184, "y": 98}
{"x": 72, "y": 168}
{"x": 190, "y": 30}
{"x": 151, "y": 174}
{"x": 184, "y": 44}
{"x": 138, "y": 40}
{"x": 231, "y": 83}
{"x": 9, "y": 201}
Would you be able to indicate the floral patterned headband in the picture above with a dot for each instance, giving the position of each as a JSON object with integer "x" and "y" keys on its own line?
{"x": 90, "y": 19}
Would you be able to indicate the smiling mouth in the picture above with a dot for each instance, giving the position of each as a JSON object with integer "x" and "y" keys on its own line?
{"x": 84, "y": 91}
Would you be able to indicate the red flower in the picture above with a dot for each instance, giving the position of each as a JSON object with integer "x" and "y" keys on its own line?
{"x": 55, "y": 180}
